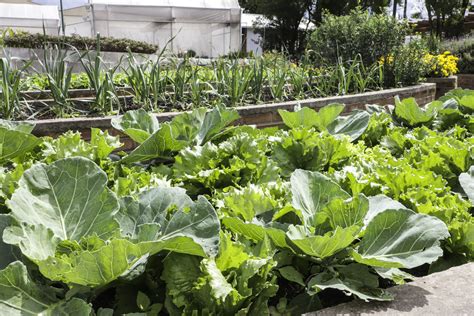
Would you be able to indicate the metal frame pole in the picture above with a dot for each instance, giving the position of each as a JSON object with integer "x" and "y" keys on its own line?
{"x": 61, "y": 9}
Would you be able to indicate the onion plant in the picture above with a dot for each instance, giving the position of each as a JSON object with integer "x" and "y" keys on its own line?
{"x": 258, "y": 79}
{"x": 147, "y": 79}
{"x": 233, "y": 80}
{"x": 101, "y": 81}
{"x": 138, "y": 79}
{"x": 180, "y": 80}
{"x": 278, "y": 77}
{"x": 56, "y": 66}
{"x": 10, "y": 88}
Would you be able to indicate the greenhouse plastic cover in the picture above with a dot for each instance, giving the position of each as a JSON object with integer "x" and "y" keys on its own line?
{"x": 209, "y": 27}
{"x": 28, "y": 16}
{"x": 217, "y": 11}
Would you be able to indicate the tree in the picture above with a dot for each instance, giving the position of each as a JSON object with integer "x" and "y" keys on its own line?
{"x": 283, "y": 31}
{"x": 286, "y": 17}
{"x": 447, "y": 16}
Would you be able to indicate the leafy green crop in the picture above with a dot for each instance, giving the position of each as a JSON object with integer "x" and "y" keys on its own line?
{"x": 207, "y": 218}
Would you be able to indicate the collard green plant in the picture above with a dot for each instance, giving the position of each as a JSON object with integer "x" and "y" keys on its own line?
{"x": 328, "y": 119}
{"x": 139, "y": 125}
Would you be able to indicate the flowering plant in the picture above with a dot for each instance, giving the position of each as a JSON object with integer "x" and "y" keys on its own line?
{"x": 443, "y": 65}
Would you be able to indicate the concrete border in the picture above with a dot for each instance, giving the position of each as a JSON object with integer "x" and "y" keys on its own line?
{"x": 444, "y": 293}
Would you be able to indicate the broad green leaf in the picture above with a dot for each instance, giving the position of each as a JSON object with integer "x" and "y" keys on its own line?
{"x": 73, "y": 307}
{"x": 152, "y": 207}
{"x": 214, "y": 122}
{"x": 248, "y": 202}
{"x": 25, "y": 127}
{"x": 143, "y": 301}
{"x": 467, "y": 101}
{"x": 410, "y": 112}
{"x": 322, "y": 246}
{"x": 180, "y": 274}
{"x": 35, "y": 242}
{"x": 467, "y": 183}
{"x": 380, "y": 203}
{"x": 103, "y": 144}
{"x": 194, "y": 231}
{"x": 312, "y": 191}
{"x": 102, "y": 264}
{"x": 328, "y": 115}
{"x": 70, "y": 197}
{"x": 305, "y": 117}
{"x": 220, "y": 289}
{"x": 353, "y": 125}
{"x": 19, "y": 295}
{"x": 401, "y": 239}
{"x": 231, "y": 254}
{"x": 7, "y": 251}
{"x": 162, "y": 144}
{"x": 291, "y": 274}
{"x": 353, "y": 279}
{"x": 308, "y": 118}
{"x": 347, "y": 213}
{"x": 255, "y": 231}
{"x": 396, "y": 275}
{"x": 14, "y": 143}
{"x": 139, "y": 125}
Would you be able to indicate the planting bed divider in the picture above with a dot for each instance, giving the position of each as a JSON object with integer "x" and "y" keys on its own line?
{"x": 444, "y": 85}
{"x": 466, "y": 81}
{"x": 264, "y": 115}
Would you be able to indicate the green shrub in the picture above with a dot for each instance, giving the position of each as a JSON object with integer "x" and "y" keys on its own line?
{"x": 464, "y": 49}
{"x": 108, "y": 44}
{"x": 406, "y": 65}
{"x": 359, "y": 33}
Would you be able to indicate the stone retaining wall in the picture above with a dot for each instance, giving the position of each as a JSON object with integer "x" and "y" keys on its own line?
{"x": 264, "y": 115}
{"x": 466, "y": 81}
{"x": 444, "y": 85}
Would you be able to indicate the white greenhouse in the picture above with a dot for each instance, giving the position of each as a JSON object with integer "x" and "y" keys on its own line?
{"x": 29, "y": 17}
{"x": 209, "y": 27}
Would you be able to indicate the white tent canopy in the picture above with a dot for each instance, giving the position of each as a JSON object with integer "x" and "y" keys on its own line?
{"x": 29, "y": 17}
{"x": 209, "y": 27}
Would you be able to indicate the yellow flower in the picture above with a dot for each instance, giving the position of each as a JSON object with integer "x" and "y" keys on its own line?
{"x": 444, "y": 64}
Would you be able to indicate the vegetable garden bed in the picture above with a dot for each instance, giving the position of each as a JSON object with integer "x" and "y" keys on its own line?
{"x": 208, "y": 218}
{"x": 264, "y": 115}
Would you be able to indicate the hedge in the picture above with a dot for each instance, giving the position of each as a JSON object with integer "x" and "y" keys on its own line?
{"x": 107, "y": 44}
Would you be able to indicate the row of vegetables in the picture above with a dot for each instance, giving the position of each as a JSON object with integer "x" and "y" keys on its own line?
{"x": 165, "y": 83}
{"x": 206, "y": 218}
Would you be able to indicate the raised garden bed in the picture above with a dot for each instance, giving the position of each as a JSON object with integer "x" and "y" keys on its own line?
{"x": 264, "y": 115}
